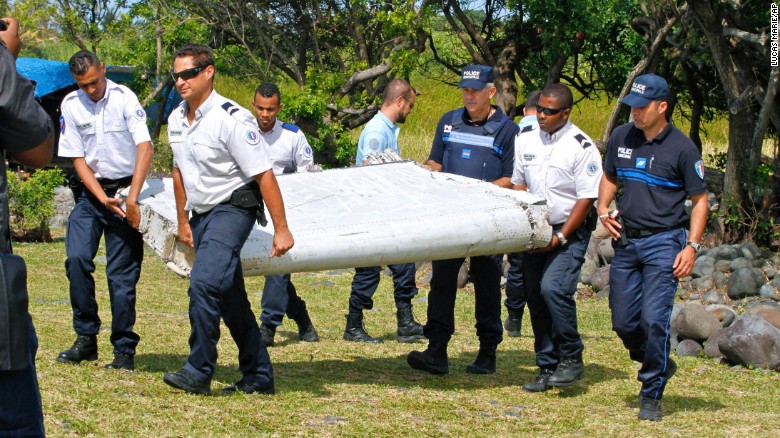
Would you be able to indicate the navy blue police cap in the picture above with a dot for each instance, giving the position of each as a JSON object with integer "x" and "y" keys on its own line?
{"x": 475, "y": 76}
{"x": 645, "y": 89}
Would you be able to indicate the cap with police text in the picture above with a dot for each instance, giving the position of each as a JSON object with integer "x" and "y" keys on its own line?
{"x": 475, "y": 76}
{"x": 645, "y": 89}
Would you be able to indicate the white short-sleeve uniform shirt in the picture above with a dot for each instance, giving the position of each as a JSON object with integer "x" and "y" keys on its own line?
{"x": 561, "y": 167}
{"x": 106, "y": 133}
{"x": 219, "y": 152}
{"x": 288, "y": 147}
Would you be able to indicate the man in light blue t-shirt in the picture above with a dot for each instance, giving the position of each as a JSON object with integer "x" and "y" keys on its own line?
{"x": 379, "y": 135}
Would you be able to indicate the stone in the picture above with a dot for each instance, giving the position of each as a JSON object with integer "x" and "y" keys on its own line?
{"x": 694, "y": 297}
{"x": 724, "y": 252}
{"x": 713, "y": 297}
{"x": 749, "y": 250}
{"x": 767, "y": 291}
{"x": 690, "y": 348}
{"x": 720, "y": 279}
{"x": 703, "y": 266}
{"x": 740, "y": 263}
{"x": 694, "y": 322}
{"x": 606, "y": 251}
{"x": 775, "y": 283}
{"x": 756, "y": 304}
{"x": 589, "y": 267}
{"x": 703, "y": 284}
{"x": 600, "y": 279}
{"x": 603, "y": 294}
{"x": 744, "y": 282}
{"x": 723, "y": 266}
{"x": 725, "y": 314}
{"x": 711, "y": 349}
{"x": 751, "y": 341}
{"x": 770, "y": 272}
{"x": 772, "y": 316}
{"x": 463, "y": 274}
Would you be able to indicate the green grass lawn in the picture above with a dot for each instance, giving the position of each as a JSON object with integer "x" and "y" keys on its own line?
{"x": 336, "y": 387}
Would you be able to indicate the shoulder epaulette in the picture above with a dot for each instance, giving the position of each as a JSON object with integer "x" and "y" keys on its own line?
{"x": 229, "y": 107}
{"x": 290, "y": 127}
{"x": 583, "y": 141}
{"x": 527, "y": 128}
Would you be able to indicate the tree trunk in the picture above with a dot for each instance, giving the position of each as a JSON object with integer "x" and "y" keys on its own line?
{"x": 506, "y": 96}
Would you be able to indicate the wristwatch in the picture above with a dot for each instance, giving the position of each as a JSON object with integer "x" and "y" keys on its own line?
{"x": 696, "y": 246}
{"x": 561, "y": 238}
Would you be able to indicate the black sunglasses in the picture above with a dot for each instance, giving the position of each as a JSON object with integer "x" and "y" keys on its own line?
{"x": 549, "y": 111}
{"x": 187, "y": 74}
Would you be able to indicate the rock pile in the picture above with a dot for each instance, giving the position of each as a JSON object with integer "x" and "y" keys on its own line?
{"x": 728, "y": 309}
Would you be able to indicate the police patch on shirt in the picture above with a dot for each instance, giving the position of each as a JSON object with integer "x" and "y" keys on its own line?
{"x": 62, "y": 124}
{"x": 307, "y": 152}
{"x": 641, "y": 163}
{"x": 699, "y": 166}
{"x": 252, "y": 137}
{"x": 466, "y": 154}
{"x": 139, "y": 113}
{"x": 592, "y": 168}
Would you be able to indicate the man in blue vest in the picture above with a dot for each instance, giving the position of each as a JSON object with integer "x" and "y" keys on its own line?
{"x": 476, "y": 141}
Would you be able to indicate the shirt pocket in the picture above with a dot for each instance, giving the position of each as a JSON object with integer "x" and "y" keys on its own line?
{"x": 560, "y": 175}
{"x": 211, "y": 157}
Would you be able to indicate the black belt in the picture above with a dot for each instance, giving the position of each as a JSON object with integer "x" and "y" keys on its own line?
{"x": 113, "y": 184}
{"x": 645, "y": 232}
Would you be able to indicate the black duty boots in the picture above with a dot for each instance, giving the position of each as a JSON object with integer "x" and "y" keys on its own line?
{"x": 433, "y": 360}
{"x": 355, "y": 331}
{"x": 122, "y": 361}
{"x": 539, "y": 384}
{"x": 409, "y": 330}
{"x": 569, "y": 371}
{"x": 268, "y": 332}
{"x": 306, "y": 331}
{"x": 485, "y": 363}
{"x": 513, "y": 323}
{"x": 85, "y": 348}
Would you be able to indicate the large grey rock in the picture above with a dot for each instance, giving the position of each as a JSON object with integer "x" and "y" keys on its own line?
{"x": 749, "y": 250}
{"x": 744, "y": 282}
{"x": 695, "y": 322}
{"x": 723, "y": 266}
{"x": 725, "y": 314}
{"x": 756, "y": 304}
{"x": 711, "y": 349}
{"x": 775, "y": 283}
{"x": 689, "y": 347}
{"x": 751, "y": 341}
{"x": 740, "y": 263}
{"x": 724, "y": 252}
{"x": 589, "y": 267}
{"x": 603, "y": 294}
{"x": 770, "y": 272}
{"x": 703, "y": 266}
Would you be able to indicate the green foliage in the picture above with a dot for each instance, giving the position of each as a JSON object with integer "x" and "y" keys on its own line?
{"x": 30, "y": 203}
{"x": 717, "y": 160}
{"x": 752, "y": 219}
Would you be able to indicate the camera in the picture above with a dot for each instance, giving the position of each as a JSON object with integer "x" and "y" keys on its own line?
{"x": 3, "y": 25}
{"x": 622, "y": 240}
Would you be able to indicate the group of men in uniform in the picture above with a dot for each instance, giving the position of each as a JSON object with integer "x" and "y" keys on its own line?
{"x": 225, "y": 162}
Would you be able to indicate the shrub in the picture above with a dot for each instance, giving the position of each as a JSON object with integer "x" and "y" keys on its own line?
{"x": 31, "y": 203}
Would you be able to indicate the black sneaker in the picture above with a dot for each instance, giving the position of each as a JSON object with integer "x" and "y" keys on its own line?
{"x": 122, "y": 361}
{"x": 649, "y": 409}
{"x": 186, "y": 381}
{"x": 539, "y": 384}
{"x": 250, "y": 389}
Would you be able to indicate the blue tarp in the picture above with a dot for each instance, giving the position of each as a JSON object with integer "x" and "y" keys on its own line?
{"x": 49, "y": 76}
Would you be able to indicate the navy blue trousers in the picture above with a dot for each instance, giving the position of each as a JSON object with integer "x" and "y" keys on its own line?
{"x": 515, "y": 290}
{"x": 217, "y": 290}
{"x": 550, "y": 283}
{"x": 88, "y": 221}
{"x": 486, "y": 274}
{"x": 280, "y": 297}
{"x": 20, "y": 399}
{"x": 366, "y": 280}
{"x": 642, "y": 287}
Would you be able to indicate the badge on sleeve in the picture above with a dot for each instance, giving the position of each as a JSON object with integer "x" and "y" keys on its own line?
{"x": 62, "y": 124}
{"x": 592, "y": 168}
{"x": 699, "y": 166}
{"x": 252, "y": 137}
{"x": 139, "y": 113}
{"x": 307, "y": 152}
